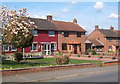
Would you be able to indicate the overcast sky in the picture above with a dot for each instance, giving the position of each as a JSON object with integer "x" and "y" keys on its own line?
{"x": 88, "y": 14}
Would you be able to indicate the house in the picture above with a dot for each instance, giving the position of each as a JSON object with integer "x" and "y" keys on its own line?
{"x": 71, "y": 37}
{"x": 104, "y": 40}
{"x": 51, "y": 36}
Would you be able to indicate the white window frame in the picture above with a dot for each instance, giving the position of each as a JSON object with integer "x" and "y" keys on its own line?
{"x": 4, "y": 48}
{"x": 51, "y": 35}
{"x": 55, "y": 44}
{"x": 13, "y": 49}
{"x": 36, "y": 46}
{"x": 35, "y": 34}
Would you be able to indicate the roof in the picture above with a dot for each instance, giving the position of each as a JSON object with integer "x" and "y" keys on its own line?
{"x": 68, "y": 26}
{"x": 108, "y": 33}
{"x": 116, "y": 31}
{"x": 43, "y": 24}
{"x": 96, "y": 42}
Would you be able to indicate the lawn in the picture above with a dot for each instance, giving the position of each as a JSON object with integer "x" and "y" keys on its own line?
{"x": 6, "y": 64}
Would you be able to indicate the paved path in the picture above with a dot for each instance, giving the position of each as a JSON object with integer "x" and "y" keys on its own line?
{"x": 84, "y": 58}
{"x": 58, "y": 74}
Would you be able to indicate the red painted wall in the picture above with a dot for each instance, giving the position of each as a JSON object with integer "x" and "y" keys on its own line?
{"x": 42, "y": 37}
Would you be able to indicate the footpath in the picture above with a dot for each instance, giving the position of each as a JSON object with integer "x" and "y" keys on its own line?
{"x": 58, "y": 74}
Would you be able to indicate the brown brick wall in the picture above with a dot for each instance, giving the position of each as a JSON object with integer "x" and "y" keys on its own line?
{"x": 96, "y": 34}
{"x": 72, "y": 37}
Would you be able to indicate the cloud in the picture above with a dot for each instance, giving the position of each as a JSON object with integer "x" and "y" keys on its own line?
{"x": 73, "y": 2}
{"x": 65, "y": 10}
{"x": 35, "y": 16}
{"x": 45, "y": 16}
{"x": 113, "y": 16}
{"x": 99, "y": 5}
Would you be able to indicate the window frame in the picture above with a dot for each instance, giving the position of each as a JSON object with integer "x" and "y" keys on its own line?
{"x": 49, "y": 33}
{"x": 64, "y": 47}
{"x": 36, "y": 47}
{"x": 55, "y": 46}
{"x": 35, "y": 34}
{"x": 66, "y": 34}
{"x": 12, "y": 49}
{"x": 7, "y": 47}
{"x": 79, "y": 33}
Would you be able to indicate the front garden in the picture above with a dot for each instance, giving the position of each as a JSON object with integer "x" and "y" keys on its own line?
{"x": 9, "y": 64}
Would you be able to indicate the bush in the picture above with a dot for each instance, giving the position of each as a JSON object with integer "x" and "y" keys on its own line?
{"x": 89, "y": 56}
{"x": 101, "y": 57}
{"x": 18, "y": 56}
{"x": 60, "y": 60}
{"x": 59, "y": 53}
{"x": 93, "y": 52}
{"x": 113, "y": 58}
{"x": 78, "y": 55}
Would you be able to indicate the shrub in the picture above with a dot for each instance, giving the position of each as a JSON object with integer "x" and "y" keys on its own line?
{"x": 18, "y": 56}
{"x": 89, "y": 56}
{"x": 78, "y": 55}
{"x": 113, "y": 58}
{"x": 93, "y": 52}
{"x": 101, "y": 57}
{"x": 59, "y": 53}
{"x": 60, "y": 60}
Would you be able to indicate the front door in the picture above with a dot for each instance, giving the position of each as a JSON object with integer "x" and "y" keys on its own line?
{"x": 75, "y": 49}
{"x": 46, "y": 49}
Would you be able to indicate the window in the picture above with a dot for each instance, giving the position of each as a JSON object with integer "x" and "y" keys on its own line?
{"x": 66, "y": 34}
{"x": 35, "y": 32}
{"x": 34, "y": 47}
{"x": 5, "y": 47}
{"x": 78, "y": 34}
{"x": 13, "y": 48}
{"x": 64, "y": 46}
{"x": 51, "y": 33}
{"x": 53, "y": 46}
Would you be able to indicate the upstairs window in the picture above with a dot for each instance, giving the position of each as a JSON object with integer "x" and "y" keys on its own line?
{"x": 79, "y": 34}
{"x": 34, "y": 47}
{"x": 64, "y": 46}
{"x": 35, "y": 32}
{"x": 51, "y": 33}
{"x": 5, "y": 47}
{"x": 66, "y": 34}
{"x": 13, "y": 48}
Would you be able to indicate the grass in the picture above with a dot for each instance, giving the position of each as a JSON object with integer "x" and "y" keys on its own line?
{"x": 6, "y": 64}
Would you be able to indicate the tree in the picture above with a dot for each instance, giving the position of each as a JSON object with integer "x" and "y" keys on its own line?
{"x": 17, "y": 27}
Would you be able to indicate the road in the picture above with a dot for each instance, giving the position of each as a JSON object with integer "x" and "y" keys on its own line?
{"x": 87, "y": 74}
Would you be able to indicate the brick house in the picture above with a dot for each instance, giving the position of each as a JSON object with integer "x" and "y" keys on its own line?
{"x": 51, "y": 36}
{"x": 104, "y": 40}
{"x": 71, "y": 37}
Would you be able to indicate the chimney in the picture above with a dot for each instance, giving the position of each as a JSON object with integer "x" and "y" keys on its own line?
{"x": 49, "y": 17}
{"x": 96, "y": 27}
{"x": 75, "y": 21}
{"x": 111, "y": 28}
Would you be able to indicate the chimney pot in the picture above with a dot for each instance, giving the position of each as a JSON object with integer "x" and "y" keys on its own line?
{"x": 111, "y": 28}
{"x": 96, "y": 27}
{"x": 49, "y": 17}
{"x": 75, "y": 21}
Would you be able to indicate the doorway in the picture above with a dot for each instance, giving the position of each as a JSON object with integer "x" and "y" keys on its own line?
{"x": 75, "y": 49}
{"x": 46, "y": 49}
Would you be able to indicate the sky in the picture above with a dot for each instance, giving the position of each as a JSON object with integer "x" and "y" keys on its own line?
{"x": 88, "y": 14}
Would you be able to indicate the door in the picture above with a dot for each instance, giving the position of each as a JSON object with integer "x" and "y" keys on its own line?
{"x": 46, "y": 49}
{"x": 75, "y": 49}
